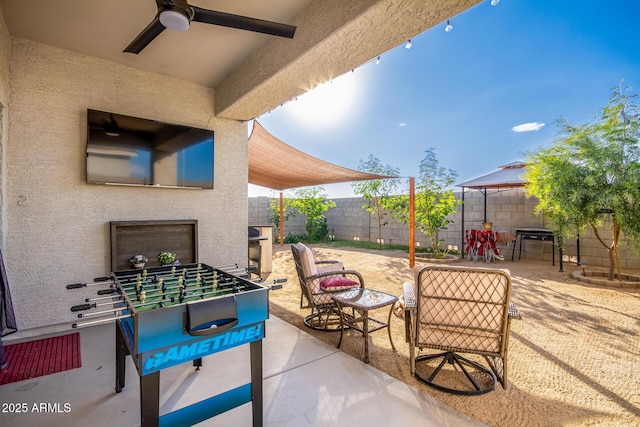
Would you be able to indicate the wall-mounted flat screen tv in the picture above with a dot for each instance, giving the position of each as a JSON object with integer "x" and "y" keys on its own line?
{"x": 123, "y": 150}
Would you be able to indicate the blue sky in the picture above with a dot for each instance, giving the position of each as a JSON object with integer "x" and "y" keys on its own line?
{"x": 520, "y": 64}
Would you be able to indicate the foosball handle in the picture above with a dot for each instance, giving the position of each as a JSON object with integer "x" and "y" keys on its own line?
{"x": 107, "y": 291}
{"x": 281, "y": 280}
{"x": 103, "y": 279}
{"x": 76, "y": 285}
{"x": 81, "y": 307}
{"x": 274, "y": 287}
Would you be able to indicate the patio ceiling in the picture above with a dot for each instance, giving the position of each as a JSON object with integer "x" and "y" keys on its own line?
{"x": 251, "y": 73}
{"x": 276, "y": 165}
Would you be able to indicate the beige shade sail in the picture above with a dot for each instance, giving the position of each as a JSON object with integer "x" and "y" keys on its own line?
{"x": 276, "y": 165}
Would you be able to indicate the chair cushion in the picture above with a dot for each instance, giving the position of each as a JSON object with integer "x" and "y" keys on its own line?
{"x": 309, "y": 267}
{"x": 337, "y": 283}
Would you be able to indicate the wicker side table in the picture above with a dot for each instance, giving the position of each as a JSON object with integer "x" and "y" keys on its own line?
{"x": 362, "y": 300}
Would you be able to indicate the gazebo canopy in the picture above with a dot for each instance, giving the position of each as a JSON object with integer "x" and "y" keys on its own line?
{"x": 509, "y": 176}
{"x": 274, "y": 164}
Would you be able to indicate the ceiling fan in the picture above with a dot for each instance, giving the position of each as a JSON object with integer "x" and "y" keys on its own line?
{"x": 178, "y": 15}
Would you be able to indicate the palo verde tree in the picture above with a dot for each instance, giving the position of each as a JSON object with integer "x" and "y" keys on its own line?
{"x": 434, "y": 200}
{"x": 590, "y": 177}
{"x": 378, "y": 192}
{"x": 312, "y": 202}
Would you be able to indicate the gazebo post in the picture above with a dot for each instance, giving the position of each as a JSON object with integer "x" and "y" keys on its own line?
{"x": 462, "y": 231}
{"x": 412, "y": 222}
{"x": 281, "y": 221}
{"x": 485, "y": 204}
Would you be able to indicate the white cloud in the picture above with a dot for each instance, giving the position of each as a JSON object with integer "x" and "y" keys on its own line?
{"x": 401, "y": 125}
{"x": 527, "y": 127}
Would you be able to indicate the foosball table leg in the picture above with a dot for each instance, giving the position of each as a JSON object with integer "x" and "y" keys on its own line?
{"x": 150, "y": 399}
{"x": 256, "y": 382}
{"x": 121, "y": 353}
{"x": 197, "y": 363}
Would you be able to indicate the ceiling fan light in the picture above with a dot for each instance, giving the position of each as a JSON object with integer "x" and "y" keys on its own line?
{"x": 174, "y": 20}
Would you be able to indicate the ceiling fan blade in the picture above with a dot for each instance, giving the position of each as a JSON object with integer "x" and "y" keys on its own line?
{"x": 243, "y": 22}
{"x": 147, "y": 35}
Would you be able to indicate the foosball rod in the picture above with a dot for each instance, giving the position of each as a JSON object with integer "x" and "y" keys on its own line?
{"x": 98, "y": 322}
{"x": 193, "y": 296}
{"x": 178, "y": 268}
{"x": 118, "y": 295}
{"x": 88, "y": 306}
{"x": 166, "y": 275}
{"x": 98, "y": 281}
{"x": 165, "y": 280}
{"x": 154, "y": 285}
{"x": 206, "y": 274}
{"x": 100, "y": 313}
{"x": 101, "y": 281}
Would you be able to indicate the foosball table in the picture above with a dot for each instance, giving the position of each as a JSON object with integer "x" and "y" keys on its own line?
{"x": 170, "y": 315}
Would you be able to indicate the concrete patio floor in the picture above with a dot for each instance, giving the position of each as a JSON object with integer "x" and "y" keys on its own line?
{"x": 306, "y": 383}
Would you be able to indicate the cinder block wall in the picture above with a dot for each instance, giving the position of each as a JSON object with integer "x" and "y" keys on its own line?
{"x": 506, "y": 209}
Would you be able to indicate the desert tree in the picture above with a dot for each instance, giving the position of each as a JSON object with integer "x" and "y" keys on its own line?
{"x": 312, "y": 202}
{"x": 590, "y": 177}
{"x": 435, "y": 201}
{"x": 378, "y": 193}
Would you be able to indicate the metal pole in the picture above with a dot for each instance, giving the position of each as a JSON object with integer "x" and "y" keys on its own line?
{"x": 412, "y": 222}
{"x": 281, "y": 220}
{"x": 485, "y": 204}
{"x": 462, "y": 231}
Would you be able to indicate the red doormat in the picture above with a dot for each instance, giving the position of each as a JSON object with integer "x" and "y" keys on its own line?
{"x": 41, "y": 357}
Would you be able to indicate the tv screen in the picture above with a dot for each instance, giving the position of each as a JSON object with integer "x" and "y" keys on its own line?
{"x": 123, "y": 150}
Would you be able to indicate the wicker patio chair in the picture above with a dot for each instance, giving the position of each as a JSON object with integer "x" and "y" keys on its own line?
{"x": 319, "y": 280}
{"x": 459, "y": 310}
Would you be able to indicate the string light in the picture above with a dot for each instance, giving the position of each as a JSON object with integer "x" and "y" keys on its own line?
{"x": 408, "y": 45}
{"x": 495, "y": 2}
{"x": 378, "y": 60}
{"x": 449, "y": 27}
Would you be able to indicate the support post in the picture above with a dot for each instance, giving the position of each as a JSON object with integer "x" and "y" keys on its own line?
{"x": 412, "y": 222}
{"x": 485, "y": 204}
{"x": 462, "y": 226}
{"x": 281, "y": 220}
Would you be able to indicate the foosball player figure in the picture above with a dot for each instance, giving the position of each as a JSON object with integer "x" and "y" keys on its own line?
{"x": 143, "y": 296}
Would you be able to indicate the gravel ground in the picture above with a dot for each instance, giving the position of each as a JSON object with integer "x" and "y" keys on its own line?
{"x": 573, "y": 359}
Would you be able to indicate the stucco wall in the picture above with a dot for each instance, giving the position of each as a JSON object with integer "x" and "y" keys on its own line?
{"x": 58, "y": 224}
{"x": 5, "y": 51}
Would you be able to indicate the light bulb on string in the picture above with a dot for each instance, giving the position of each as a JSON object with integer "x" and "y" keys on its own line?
{"x": 495, "y": 2}
{"x": 378, "y": 60}
{"x": 408, "y": 45}
{"x": 449, "y": 27}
